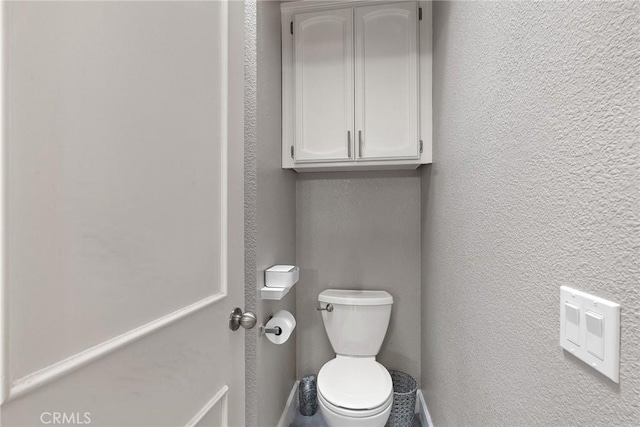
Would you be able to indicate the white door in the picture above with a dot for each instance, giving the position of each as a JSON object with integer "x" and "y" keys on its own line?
{"x": 323, "y": 74}
{"x": 387, "y": 81}
{"x": 123, "y": 251}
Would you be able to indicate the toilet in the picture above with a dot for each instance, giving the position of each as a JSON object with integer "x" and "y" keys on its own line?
{"x": 353, "y": 388}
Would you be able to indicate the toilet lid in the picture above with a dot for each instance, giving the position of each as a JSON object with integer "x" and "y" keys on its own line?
{"x": 355, "y": 383}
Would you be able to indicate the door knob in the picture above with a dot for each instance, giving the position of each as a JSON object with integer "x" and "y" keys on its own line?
{"x": 237, "y": 318}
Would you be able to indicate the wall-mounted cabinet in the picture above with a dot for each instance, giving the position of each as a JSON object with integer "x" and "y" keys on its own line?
{"x": 356, "y": 85}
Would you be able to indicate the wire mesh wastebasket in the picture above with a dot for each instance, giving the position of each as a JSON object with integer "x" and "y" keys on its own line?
{"x": 307, "y": 395}
{"x": 404, "y": 399}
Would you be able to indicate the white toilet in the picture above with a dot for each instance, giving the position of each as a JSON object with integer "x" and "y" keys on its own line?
{"x": 353, "y": 389}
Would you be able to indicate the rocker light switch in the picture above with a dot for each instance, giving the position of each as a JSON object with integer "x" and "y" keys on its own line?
{"x": 595, "y": 338}
{"x": 572, "y": 323}
{"x": 590, "y": 330}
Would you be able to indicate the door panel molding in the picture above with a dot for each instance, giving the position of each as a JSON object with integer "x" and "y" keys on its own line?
{"x": 221, "y": 397}
{"x": 51, "y": 373}
{"x": 10, "y": 390}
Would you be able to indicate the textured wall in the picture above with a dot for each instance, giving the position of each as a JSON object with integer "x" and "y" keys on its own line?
{"x": 250, "y": 206}
{"x": 360, "y": 231}
{"x": 535, "y": 184}
{"x": 276, "y": 215}
{"x": 269, "y": 214}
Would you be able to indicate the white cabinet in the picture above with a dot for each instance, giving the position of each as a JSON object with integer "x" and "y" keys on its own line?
{"x": 387, "y": 81}
{"x": 323, "y": 76}
{"x": 356, "y": 85}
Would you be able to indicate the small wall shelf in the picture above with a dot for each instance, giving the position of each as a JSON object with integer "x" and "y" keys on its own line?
{"x": 279, "y": 280}
{"x": 273, "y": 293}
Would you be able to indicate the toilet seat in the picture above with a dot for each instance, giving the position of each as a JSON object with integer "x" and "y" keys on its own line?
{"x": 355, "y": 413}
{"x": 356, "y": 385}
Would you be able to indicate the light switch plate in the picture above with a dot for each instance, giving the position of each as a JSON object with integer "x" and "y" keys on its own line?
{"x": 601, "y": 333}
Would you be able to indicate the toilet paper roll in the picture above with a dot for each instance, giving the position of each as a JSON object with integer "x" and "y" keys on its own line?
{"x": 285, "y": 321}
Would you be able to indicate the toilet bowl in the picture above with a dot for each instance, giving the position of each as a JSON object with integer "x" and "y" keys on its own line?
{"x": 353, "y": 388}
{"x": 354, "y": 392}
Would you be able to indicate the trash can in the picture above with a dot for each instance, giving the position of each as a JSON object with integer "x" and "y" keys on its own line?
{"x": 404, "y": 399}
{"x": 307, "y": 395}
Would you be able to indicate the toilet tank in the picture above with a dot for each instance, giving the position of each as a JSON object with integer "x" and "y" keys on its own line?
{"x": 359, "y": 320}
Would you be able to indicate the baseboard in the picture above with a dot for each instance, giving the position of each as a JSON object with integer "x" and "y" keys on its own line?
{"x": 422, "y": 410}
{"x": 290, "y": 408}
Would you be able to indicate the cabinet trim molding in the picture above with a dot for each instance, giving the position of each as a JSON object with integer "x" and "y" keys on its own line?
{"x": 307, "y": 5}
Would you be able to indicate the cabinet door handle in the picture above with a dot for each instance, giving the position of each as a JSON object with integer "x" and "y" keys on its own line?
{"x": 360, "y": 143}
{"x": 349, "y": 143}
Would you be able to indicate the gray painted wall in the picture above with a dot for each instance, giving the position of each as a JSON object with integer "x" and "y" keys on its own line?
{"x": 359, "y": 231}
{"x": 270, "y": 214}
{"x": 250, "y": 207}
{"x": 276, "y": 218}
{"x": 535, "y": 184}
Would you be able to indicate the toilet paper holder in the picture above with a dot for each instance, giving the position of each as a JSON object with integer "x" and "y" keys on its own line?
{"x": 277, "y": 331}
{"x": 278, "y": 328}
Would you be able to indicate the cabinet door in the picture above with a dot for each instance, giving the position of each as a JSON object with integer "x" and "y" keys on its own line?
{"x": 323, "y": 73}
{"x": 387, "y": 81}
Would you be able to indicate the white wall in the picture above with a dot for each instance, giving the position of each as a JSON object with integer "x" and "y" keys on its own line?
{"x": 535, "y": 184}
